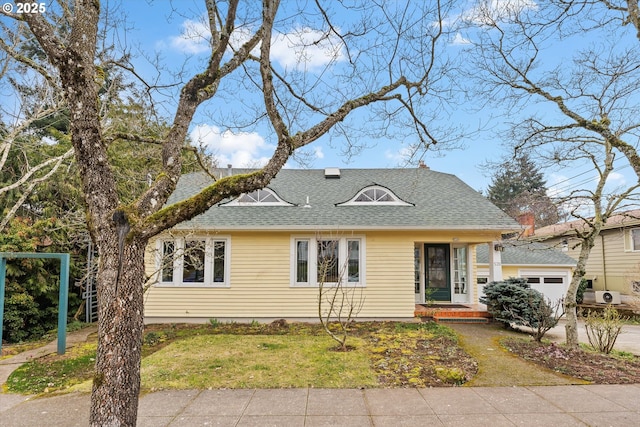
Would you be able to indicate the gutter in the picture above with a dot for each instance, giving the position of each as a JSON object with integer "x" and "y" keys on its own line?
{"x": 604, "y": 262}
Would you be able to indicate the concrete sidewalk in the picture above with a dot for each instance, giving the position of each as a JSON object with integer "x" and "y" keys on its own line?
{"x": 592, "y": 405}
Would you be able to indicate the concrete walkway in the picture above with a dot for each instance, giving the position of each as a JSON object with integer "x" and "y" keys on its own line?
{"x": 10, "y": 364}
{"x": 592, "y": 405}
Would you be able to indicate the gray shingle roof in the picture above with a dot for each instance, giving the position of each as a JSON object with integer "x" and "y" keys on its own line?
{"x": 439, "y": 201}
{"x": 526, "y": 253}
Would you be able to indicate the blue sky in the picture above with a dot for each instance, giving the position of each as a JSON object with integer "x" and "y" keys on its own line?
{"x": 178, "y": 38}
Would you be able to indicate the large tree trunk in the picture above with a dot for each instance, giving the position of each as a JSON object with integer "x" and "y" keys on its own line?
{"x": 570, "y": 303}
{"x": 116, "y": 385}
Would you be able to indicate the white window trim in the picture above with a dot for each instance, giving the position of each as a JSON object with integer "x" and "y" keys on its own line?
{"x": 546, "y": 273}
{"x": 628, "y": 240}
{"x": 178, "y": 262}
{"x": 280, "y": 202}
{"x": 396, "y": 202}
{"x": 312, "y": 274}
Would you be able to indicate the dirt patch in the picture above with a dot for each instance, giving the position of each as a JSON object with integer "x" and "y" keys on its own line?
{"x": 420, "y": 358}
{"x": 587, "y": 365}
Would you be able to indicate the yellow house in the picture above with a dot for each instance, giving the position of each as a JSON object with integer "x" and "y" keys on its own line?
{"x": 614, "y": 261}
{"x": 393, "y": 236}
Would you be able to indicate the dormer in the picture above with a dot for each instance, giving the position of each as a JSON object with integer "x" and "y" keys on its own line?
{"x": 262, "y": 197}
{"x": 375, "y": 195}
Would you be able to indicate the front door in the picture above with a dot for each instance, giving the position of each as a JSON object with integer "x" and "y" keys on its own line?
{"x": 437, "y": 272}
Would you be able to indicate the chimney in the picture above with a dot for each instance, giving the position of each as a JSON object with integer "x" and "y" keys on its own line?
{"x": 421, "y": 165}
{"x": 229, "y": 170}
{"x": 528, "y": 221}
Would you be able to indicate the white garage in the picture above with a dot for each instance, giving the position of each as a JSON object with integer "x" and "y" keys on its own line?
{"x": 553, "y": 284}
{"x": 546, "y": 269}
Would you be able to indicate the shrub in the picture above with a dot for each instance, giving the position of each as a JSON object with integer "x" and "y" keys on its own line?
{"x": 508, "y": 300}
{"x": 512, "y": 301}
{"x": 582, "y": 287}
{"x": 603, "y": 328}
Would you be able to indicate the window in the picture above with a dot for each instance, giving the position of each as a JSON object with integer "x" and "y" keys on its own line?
{"x": 375, "y": 195}
{"x": 302, "y": 261}
{"x": 263, "y": 197}
{"x": 327, "y": 261}
{"x": 193, "y": 262}
{"x": 546, "y": 280}
{"x": 635, "y": 239}
{"x": 167, "y": 257}
{"x": 460, "y": 271}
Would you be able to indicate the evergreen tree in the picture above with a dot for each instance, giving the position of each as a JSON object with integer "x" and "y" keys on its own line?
{"x": 518, "y": 187}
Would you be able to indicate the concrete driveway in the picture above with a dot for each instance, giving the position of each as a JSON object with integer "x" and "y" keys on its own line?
{"x": 628, "y": 340}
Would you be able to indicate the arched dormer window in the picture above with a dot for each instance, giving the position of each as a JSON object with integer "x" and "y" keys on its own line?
{"x": 375, "y": 195}
{"x": 262, "y": 197}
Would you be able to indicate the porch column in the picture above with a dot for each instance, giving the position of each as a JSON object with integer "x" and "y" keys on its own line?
{"x": 495, "y": 261}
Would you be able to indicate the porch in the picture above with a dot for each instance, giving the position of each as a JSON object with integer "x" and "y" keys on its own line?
{"x": 453, "y": 313}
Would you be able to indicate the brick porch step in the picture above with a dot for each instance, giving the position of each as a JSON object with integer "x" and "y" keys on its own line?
{"x": 462, "y": 319}
{"x": 453, "y": 315}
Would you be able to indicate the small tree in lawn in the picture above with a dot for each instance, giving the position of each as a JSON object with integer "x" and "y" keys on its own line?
{"x": 338, "y": 301}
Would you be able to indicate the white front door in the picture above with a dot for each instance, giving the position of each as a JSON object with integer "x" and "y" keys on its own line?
{"x": 460, "y": 275}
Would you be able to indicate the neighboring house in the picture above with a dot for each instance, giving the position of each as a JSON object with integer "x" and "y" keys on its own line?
{"x": 395, "y": 234}
{"x": 546, "y": 269}
{"x": 614, "y": 261}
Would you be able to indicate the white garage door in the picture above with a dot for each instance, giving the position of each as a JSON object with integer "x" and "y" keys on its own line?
{"x": 553, "y": 285}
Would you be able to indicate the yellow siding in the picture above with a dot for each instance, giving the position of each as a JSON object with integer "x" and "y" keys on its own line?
{"x": 609, "y": 265}
{"x": 260, "y": 279}
{"x": 509, "y": 271}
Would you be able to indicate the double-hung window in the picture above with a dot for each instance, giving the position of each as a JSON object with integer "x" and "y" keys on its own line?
{"x": 634, "y": 239}
{"x": 328, "y": 261}
{"x": 193, "y": 261}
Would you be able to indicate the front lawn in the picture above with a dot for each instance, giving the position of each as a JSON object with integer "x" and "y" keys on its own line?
{"x": 278, "y": 355}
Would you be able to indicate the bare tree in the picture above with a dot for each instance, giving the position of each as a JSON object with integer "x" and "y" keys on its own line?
{"x": 387, "y": 57}
{"x": 339, "y": 299}
{"x": 566, "y": 111}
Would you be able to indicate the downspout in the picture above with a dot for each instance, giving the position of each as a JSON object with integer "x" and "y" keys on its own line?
{"x": 604, "y": 262}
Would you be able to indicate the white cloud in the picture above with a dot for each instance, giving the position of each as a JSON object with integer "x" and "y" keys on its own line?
{"x": 399, "y": 156}
{"x": 459, "y": 40}
{"x": 318, "y": 153}
{"x": 555, "y": 185}
{"x": 302, "y": 48}
{"x": 487, "y": 11}
{"x": 244, "y": 149}
{"x": 616, "y": 178}
{"x": 194, "y": 38}
{"x": 306, "y": 49}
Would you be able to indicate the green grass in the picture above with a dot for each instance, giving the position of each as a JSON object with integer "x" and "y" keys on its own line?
{"x": 256, "y": 361}
{"x": 253, "y": 355}
{"x": 54, "y": 373}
